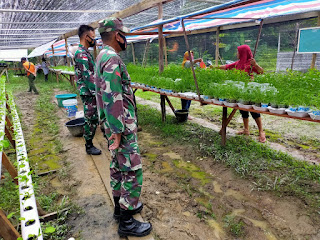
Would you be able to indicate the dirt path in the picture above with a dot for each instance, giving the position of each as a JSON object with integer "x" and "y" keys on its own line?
{"x": 78, "y": 178}
{"x": 301, "y": 155}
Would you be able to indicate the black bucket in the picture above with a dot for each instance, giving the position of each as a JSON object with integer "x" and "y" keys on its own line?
{"x": 76, "y": 127}
{"x": 181, "y": 115}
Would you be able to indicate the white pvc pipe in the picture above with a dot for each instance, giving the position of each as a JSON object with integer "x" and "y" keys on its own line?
{"x": 28, "y": 206}
{"x": 3, "y": 118}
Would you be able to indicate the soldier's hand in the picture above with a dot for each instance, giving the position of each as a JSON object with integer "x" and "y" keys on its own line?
{"x": 117, "y": 138}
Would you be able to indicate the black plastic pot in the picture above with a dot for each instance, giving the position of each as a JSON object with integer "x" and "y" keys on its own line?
{"x": 76, "y": 127}
{"x": 181, "y": 115}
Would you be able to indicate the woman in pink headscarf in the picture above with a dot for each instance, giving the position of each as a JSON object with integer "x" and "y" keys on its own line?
{"x": 247, "y": 63}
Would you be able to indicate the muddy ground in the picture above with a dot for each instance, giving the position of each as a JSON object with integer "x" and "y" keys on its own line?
{"x": 185, "y": 196}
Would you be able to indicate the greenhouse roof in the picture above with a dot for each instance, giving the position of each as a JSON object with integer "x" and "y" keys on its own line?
{"x": 236, "y": 14}
{"x": 31, "y": 23}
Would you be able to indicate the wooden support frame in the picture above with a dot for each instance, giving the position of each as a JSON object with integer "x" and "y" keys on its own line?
{"x": 10, "y": 168}
{"x": 144, "y": 60}
{"x": 7, "y": 230}
{"x": 134, "y": 9}
{"x": 295, "y": 45}
{"x": 191, "y": 61}
{"x": 70, "y": 79}
{"x": 170, "y": 104}
{"x": 258, "y": 38}
{"x": 8, "y": 132}
{"x": 165, "y": 52}
{"x": 224, "y": 126}
{"x": 314, "y": 55}
{"x": 66, "y": 46}
{"x": 133, "y": 54}
{"x": 163, "y": 107}
{"x": 160, "y": 39}
{"x": 217, "y": 46}
{"x": 54, "y": 61}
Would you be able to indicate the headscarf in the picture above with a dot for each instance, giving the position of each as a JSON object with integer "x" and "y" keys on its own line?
{"x": 245, "y": 55}
{"x": 186, "y": 58}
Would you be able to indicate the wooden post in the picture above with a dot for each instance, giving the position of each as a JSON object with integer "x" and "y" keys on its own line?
{"x": 133, "y": 55}
{"x": 295, "y": 45}
{"x": 191, "y": 61}
{"x": 66, "y": 46}
{"x": 258, "y": 38}
{"x": 170, "y": 104}
{"x": 8, "y": 132}
{"x": 160, "y": 37}
{"x": 165, "y": 52}
{"x": 217, "y": 46}
{"x": 10, "y": 168}
{"x": 224, "y": 126}
{"x": 163, "y": 107}
{"x": 54, "y": 61}
{"x": 314, "y": 55}
{"x": 144, "y": 60}
{"x": 7, "y": 230}
{"x": 57, "y": 77}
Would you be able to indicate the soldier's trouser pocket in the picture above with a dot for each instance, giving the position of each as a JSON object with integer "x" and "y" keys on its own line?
{"x": 128, "y": 155}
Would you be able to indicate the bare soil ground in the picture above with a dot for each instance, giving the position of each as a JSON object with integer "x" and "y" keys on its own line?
{"x": 185, "y": 196}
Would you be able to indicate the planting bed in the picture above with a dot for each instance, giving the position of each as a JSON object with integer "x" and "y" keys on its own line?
{"x": 277, "y": 89}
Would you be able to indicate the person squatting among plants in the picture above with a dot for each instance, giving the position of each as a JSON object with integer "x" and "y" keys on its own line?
{"x": 186, "y": 63}
{"x": 248, "y": 64}
{"x": 84, "y": 69}
{"x": 31, "y": 74}
{"x": 116, "y": 108}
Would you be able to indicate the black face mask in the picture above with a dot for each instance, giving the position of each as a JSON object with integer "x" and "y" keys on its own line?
{"x": 123, "y": 45}
{"x": 92, "y": 43}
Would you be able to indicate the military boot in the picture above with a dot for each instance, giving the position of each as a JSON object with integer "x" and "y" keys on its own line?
{"x": 92, "y": 150}
{"x": 128, "y": 226}
{"x": 116, "y": 214}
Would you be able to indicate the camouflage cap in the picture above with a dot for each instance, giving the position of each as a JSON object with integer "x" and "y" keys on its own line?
{"x": 112, "y": 24}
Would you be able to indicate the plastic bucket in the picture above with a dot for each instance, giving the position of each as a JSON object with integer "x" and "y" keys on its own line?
{"x": 76, "y": 127}
{"x": 62, "y": 97}
{"x": 181, "y": 115}
{"x": 71, "y": 107}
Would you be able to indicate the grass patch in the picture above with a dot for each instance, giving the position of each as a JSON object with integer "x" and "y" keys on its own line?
{"x": 235, "y": 227}
{"x": 266, "y": 168}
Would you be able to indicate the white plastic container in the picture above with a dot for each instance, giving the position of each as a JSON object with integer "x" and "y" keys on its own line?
{"x": 71, "y": 107}
{"x": 262, "y": 109}
{"x": 244, "y": 106}
{"x": 297, "y": 114}
{"x": 277, "y": 110}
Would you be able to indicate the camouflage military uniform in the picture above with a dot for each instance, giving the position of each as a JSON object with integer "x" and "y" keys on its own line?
{"x": 84, "y": 68}
{"x": 116, "y": 109}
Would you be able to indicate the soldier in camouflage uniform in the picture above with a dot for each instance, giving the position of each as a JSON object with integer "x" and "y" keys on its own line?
{"x": 84, "y": 68}
{"x": 116, "y": 108}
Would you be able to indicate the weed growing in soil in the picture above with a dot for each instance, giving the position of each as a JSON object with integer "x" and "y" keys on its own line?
{"x": 236, "y": 227}
{"x": 269, "y": 170}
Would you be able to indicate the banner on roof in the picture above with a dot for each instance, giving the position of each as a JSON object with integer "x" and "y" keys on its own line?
{"x": 38, "y": 51}
{"x": 221, "y": 16}
{"x": 59, "y": 49}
